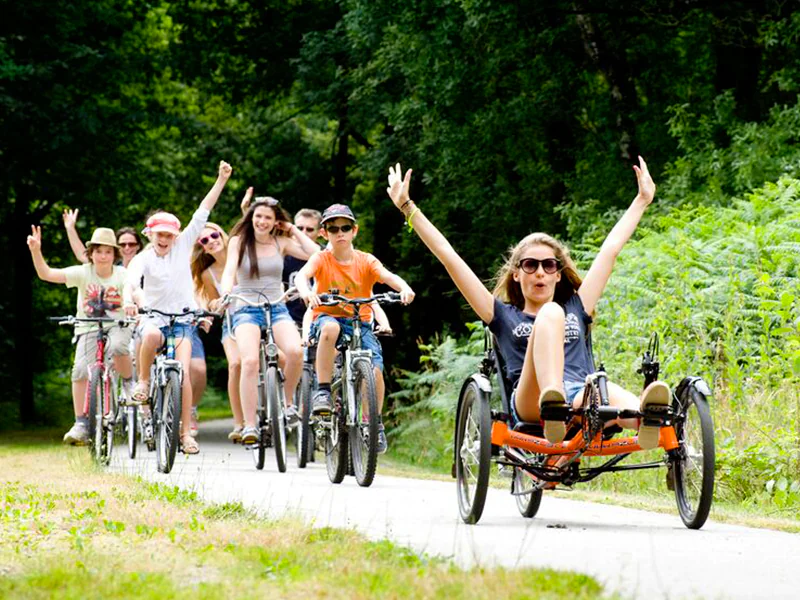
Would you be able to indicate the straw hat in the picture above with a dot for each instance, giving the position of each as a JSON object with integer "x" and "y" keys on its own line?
{"x": 103, "y": 236}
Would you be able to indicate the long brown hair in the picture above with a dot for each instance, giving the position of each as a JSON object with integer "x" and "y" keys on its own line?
{"x": 202, "y": 260}
{"x": 247, "y": 237}
{"x": 510, "y": 291}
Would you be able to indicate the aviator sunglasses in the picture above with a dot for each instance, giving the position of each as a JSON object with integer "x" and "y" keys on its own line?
{"x": 337, "y": 228}
{"x": 214, "y": 235}
{"x": 531, "y": 265}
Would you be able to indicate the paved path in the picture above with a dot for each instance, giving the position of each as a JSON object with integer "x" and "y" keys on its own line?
{"x": 634, "y": 552}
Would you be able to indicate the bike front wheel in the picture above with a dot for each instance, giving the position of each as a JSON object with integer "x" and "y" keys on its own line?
{"x": 336, "y": 440}
{"x": 473, "y": 441}
{"x": 305, "y": 436}
{"x": 277, "y": 417}
{"x": 132, "y": 429}
{"x": 168, "y": 414}
{"x": 364, "y": 431}
{"x": 693, "y": 462}
{"x": 97, "y": 437}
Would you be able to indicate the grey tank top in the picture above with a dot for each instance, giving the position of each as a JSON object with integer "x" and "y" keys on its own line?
{"x": 268, "y": 283}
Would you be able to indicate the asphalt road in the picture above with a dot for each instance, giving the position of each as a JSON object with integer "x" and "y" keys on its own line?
{"x": 636, "y": 553}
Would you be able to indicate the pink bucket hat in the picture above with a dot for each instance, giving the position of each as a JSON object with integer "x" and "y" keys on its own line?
{"x": 164, "y": 222}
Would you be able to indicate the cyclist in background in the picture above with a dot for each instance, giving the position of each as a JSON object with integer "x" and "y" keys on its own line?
{"x": 165, "y": 266}
{"x": 99, "y": 283}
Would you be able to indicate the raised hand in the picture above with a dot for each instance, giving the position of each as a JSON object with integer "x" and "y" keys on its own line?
{"x": 248, "y": 196}
{"x": 35, "y": 239}
{"x": 225, "y": 170}
{"x": 399, "y": 186}
{"x": 647, "y": 188}
{"x": 70, "y": 218}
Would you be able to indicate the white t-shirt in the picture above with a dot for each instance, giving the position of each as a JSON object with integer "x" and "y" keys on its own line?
{"x": 168, "y": 282}
{"x": 97, "y": 297}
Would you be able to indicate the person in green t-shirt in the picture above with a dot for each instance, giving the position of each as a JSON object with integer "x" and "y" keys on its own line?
{"x": 99, "y": 284}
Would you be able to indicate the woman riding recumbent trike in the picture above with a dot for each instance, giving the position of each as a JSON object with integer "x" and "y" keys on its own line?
{"x": 484, "y": 436}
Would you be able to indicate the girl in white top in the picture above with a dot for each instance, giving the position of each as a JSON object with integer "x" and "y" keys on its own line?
{"x": 208, "y": 263}
{"x": 264, "y": 235}
{"x": 165, "y": 266}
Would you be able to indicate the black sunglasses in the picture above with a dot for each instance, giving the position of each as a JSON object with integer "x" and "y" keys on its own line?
{"x": 531, "y": 265}
{"x": 214, "y": 235}
{"x": 337, "y": 228}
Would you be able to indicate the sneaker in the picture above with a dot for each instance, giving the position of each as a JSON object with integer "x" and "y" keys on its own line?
{"x": 292, "y": 416}
{"x": 655, "y": 396}
{"x": 236, "y": 434}
{"x": 554, "y": 431}
{"x": 249, "y": 435}
{"x": 78, "y": 435}
{"x": 321, "y": 402}
{"x": 383, "y": 444}
{"x": 193, "y": 423}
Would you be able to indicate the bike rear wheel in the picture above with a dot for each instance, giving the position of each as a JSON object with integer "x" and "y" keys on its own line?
{"x": 693, "y": 462}
{"x": 528, "y": 501}
{"x": 336, "y": 440}
{"x": 277, "y": 416}
{"x": 473, "y": 442}
{"x": 132, "y": 429}
{"x": 364, "y": 431}
{"x": 167, "y": 420}
{"x": 305, "y": 441}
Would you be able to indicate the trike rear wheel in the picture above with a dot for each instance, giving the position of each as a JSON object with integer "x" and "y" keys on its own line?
{"x": 528, "y": 500}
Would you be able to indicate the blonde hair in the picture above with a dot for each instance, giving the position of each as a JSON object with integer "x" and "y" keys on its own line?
{"x": 202, "y": 260}
{"x": 510, "y": 291}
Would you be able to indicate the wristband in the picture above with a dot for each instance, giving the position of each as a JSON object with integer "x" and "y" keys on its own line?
{"x": 411, "y": 216}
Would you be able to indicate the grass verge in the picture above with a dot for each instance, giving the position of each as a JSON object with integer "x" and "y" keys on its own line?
{"x": 70, "y": 530}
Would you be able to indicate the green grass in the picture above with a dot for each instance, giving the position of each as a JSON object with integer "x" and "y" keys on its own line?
{"x": 70, "y": 530}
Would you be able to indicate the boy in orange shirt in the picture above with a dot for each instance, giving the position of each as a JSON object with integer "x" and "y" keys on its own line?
{"x": 352, "y": 273}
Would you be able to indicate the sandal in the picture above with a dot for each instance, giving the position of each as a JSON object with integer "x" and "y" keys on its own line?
{"x": 236, "y": 434}
{"x": 554, "y": 431}
{"x": 189, "y": 444}
{"x": 140, "y": 392}
{"x": 656, "y": 395}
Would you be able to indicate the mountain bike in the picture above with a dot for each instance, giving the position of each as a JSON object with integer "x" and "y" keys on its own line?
{"x": 271, "y": 407}
{"x": 484, "y": 435}
{"x": 165, "y": 397}
{"x": 104, "y": 393}
{"x": 352, "y": 425}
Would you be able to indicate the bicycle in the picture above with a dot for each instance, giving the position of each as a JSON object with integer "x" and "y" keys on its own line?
{"x": 165, "y": 397}
{"x": 103, "y": 390}
{"x": 306, "y": 440}
{"x": 483, "y": 436}
{"x": 353, "y": 423}
{"x": 270, "y": 410}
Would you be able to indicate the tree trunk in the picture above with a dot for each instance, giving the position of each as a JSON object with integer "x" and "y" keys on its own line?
{"x": 341, "y": 158}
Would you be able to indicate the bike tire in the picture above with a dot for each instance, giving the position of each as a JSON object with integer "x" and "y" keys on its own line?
{"x": 473, "y": 442}
{"x": 364, "y": 433}
{"x": 277, "y": 416}
{"x": 693, "y": 464}
{"x": 111, "y": 421}
{"x": 336, "y": 441}
{"x": 168, "y": 415}
{"x": 132, "y": 424}
{"x": 305, "y": 442}
{"x": 260, "y": 449}
{"x": 96, "y": 437}
{"x": 527, "y": 504}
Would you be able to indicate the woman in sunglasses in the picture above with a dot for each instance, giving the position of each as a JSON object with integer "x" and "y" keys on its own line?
{"x": 208, "y": 263}
{"x": 540, "y": 310}
{"x": 254, "y": 265}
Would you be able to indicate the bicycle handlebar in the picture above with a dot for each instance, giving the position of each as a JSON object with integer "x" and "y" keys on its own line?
{"x": 197, "y": 312}
{"x": 287, "y": 295}
{"x": 72, "y": 320}
{"x": 334, "y": 299}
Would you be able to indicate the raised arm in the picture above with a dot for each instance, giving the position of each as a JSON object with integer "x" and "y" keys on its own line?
{"x": 78, "y": 249}
{"x": 470, "y": 286}
{"x": 596, "y": 279}
{"x": 248, "y": 195}
{"x": 213, "y": 194}
{"x": 44, "y": 272}
{"x": 299, "y": 245}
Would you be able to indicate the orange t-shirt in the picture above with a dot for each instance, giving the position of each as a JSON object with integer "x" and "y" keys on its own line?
{"x": 354, "y": 280}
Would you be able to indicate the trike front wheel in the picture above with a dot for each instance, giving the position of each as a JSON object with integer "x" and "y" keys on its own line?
{"x": 473, "y": 442}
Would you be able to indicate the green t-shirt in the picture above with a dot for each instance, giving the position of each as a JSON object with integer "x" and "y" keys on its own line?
{"x": 97, "y": 297}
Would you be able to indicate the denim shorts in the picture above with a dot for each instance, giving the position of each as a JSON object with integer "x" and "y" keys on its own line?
{"x": 226, "y": 333}
{"x": 181, "y": 330}
{"x": 255, "y": 315}
{"x": 572, "y": 389}
{"x": 197, "y": 344}
{"x": 368, "y": 339}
